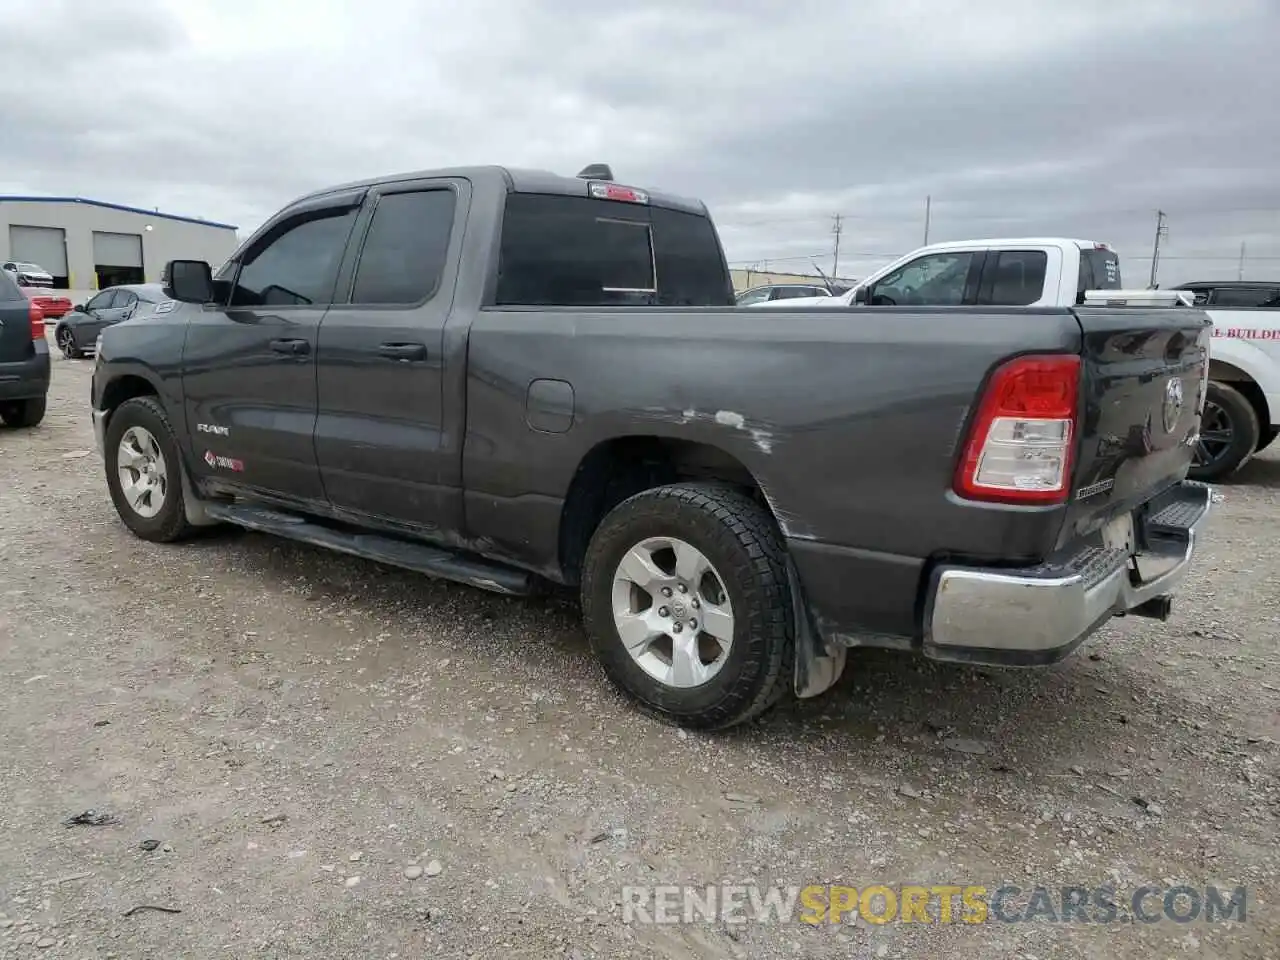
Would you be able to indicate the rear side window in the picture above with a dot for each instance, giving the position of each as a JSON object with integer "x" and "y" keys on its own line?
{"x": 1016, "y": 278}
{"x": 1242, "y": 297}
{"x": 1099, "y": 270}
{"x": 405, "y": 251}
{"x": 577, "y": 251}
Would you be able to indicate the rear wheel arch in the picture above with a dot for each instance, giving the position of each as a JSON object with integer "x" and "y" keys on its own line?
{"x": 1239, "y": 380}
{"x": 616, "y": 469}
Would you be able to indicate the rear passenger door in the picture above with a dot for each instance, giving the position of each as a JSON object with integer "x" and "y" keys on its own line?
{"x": 1016, "y": 278}
{"x": 386, "y": 448}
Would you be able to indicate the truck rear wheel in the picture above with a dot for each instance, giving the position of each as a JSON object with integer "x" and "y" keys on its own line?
{"x": 687, "y": 603}
{"x": 1229, "y": 433}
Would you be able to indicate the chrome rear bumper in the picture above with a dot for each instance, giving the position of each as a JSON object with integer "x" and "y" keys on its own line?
{"x": 1041, "y": 614}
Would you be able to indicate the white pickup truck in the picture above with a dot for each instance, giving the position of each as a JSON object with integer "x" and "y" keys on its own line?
{"x": 1242, "y": 408}
{"x": 1242, "y": 402}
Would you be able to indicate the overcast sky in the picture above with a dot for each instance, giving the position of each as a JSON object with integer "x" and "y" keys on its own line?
{"x": 1018, "y": 118}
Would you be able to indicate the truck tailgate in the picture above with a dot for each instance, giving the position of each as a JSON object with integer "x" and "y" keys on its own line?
{"x": 1144, "y": 376}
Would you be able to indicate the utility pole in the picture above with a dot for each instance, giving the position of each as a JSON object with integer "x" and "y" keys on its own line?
{"x": 1161, "y": 231}
{"x": 1240, "y": 272}
{"x": 835, "y": 260}
{"x": 928, "y": 210}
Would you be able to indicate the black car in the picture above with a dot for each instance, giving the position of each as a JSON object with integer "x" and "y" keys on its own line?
{"x": 1235, "y": 294}
{"x": 24, "y": 357}
{"x": 78, "y": 331}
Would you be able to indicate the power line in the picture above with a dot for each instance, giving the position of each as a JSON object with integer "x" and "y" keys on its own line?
{"x": 1021, "y": 215}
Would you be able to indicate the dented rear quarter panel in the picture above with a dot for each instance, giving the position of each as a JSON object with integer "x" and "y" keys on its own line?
{"x": 849, "y": 421}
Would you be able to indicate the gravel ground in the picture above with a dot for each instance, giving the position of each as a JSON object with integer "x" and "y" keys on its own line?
{"x": 331, "y": 758}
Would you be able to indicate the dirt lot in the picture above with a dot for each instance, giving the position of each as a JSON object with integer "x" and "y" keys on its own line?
{"x": 304, "y": 734}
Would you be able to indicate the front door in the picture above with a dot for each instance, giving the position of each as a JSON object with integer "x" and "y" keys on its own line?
{"x": 106, "y": 308}
{"x": 249, "y": 367}
{"x": 383, "y": 437}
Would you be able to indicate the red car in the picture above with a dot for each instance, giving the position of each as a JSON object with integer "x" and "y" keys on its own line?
{"x": 52, "y": 305}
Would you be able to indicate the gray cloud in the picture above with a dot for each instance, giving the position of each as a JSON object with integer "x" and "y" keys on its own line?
{"x": 1017, "y": 118}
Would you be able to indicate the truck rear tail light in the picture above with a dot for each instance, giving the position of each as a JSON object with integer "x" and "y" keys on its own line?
{"x": 36, "y": 316}
{"x": 1019, "y": 447}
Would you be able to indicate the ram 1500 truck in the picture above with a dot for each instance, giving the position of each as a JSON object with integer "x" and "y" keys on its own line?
{"x": 516, "y": 379}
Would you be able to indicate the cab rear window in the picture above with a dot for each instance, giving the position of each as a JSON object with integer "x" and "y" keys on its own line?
{"x": 1099, "y": 270}
{"x": 585, "y": 252}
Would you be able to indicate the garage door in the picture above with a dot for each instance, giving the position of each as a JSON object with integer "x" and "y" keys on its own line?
{"x": 117, "y": 249}
{"x": 46, "y": 246}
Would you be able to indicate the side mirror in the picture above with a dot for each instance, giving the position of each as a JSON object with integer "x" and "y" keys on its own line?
{"x": 188, "y": 281}
{"x": 862, "y": 295}
{"x": 78, "y": 308}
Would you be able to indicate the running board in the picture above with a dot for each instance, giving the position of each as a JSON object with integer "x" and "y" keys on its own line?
{"x": 432, "y": 561}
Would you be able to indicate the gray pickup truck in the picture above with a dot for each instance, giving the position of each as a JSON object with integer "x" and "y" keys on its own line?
{"x": 519, "y": 380}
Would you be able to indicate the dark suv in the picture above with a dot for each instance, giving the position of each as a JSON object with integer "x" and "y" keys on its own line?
{"x": 24, "y": 357}
{"x": 1236, "y": 294}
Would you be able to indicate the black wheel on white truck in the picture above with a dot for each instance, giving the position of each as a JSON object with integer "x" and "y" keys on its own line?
{"x": 1229, "y": 434}
{"x": 687, "y": 602}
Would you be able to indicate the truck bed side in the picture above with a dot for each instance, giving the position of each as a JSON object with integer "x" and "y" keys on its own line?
{"x": 848, "y": 421}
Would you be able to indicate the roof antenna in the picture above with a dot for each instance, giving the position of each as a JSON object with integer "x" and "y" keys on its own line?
{"x": 596, "y": 171}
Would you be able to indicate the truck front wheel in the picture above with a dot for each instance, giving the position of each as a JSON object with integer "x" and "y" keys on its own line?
{"x": 144, "y": 471}
{"x": 1229, "y": 433}
{"x": 687, "y": 603}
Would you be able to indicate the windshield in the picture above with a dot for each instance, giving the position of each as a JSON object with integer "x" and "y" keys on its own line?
{"x": 30, "y": 268}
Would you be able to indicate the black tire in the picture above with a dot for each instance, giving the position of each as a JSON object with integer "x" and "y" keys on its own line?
{"x": 740, "y": 540}
{"x": 65, "y": 338}
{"x": 170, "y": 523}
{"x": 1268, "y": 436}
{"x": 23, "y": 413}
{"x": 1231, "y": 419}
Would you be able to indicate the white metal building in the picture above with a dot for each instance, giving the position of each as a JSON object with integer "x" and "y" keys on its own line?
{"x": 89, "y": 244}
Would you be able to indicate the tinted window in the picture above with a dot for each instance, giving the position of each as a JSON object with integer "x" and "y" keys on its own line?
{"x": 406, "y": 248}
{"x": 1016, "y": 278}
{"x": 124, "y": 298}
{"x": 794, "y": 293}
{"x": 576, "y": 251}
{"x": 937, "y": 279}
{"x": 1241, "y": 296}
{"x": 297, "y": 267}
{"x": 753, "y": 296}
{"x": 691, "y": 267}
{"x": 102, "y": 301}
{"x": 1099, "y": 270}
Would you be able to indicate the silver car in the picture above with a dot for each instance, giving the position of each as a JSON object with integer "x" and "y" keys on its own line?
{"x": 78, "y": 331}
